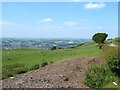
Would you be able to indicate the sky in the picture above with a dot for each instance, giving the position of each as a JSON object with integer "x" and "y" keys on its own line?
{"x": 59, "y": 19}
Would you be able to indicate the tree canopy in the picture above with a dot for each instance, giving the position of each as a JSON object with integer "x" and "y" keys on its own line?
{"x": 99, "y": 37}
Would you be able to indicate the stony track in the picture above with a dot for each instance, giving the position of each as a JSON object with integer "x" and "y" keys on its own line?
{"x": 66, "y": 74}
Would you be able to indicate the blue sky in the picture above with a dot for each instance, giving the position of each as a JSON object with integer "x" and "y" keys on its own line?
{"x": 59, "y": 19}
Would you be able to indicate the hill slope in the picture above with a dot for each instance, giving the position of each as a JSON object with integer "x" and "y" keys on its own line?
{"x": 22, "y": 60}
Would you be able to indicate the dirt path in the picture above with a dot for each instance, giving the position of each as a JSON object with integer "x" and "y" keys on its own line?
{"x": 65, "y": 74}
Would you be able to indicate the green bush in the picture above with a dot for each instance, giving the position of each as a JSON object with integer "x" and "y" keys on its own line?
{"x": 34, "y": 67}
{"x": 7, "y": 74}
{"x": 51, "y": 62}
{"x": 54, "y": 48}
{"x": 112, "y": 58}
{"x": 12, "y": 70}
{"x": 20, "y": 70}
{"x": 44, "y": 64}
{"x": 99, "y": 76}
{"x": 114, "y": 64}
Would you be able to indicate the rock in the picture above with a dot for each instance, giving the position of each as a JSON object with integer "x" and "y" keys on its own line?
{"x": 65, "y": 78}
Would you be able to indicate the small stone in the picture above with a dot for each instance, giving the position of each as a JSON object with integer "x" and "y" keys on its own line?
{"x": 65, "y": 78}
{"x": 11, "y": 77}
{"x": 115, "y": 83}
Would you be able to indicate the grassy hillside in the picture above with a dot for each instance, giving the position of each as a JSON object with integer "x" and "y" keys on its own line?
{"x": 22, "y": 60}
{"x": 19, "y": 61}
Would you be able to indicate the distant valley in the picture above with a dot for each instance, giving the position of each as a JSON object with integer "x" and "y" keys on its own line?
{"x": 42, "y": 44}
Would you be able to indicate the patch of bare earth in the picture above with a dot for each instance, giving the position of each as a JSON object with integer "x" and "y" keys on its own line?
{"x": 66, "y": 74}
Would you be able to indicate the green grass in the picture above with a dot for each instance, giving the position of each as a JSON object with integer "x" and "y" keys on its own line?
{"x": 27, "y": 58}
{"x": 114, "y": 41}
{"x": 30, "y": 57}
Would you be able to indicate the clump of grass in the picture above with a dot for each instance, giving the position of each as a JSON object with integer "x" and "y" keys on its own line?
{"x": 15, "y": 65}
{"x": 34, "y": 67}
{"x": 44, "y": 64}
{"x": 7, "y": 74}
{"x": 51, "y": 62}
{"x": 9, "y": 59}
{"x": 12, "y": 70}
{"x": 20, "y": 70}
{"x": 97, "y": 77}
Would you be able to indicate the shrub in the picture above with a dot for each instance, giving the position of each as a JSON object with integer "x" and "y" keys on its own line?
{"x": 44, "y": 64}
{"x": 12, "y": 69}
{"x": 98, "y": 76}
{"x": 34, "y": 67}
{"x": 20, "y": 70}
{"x": 112, "y": 58}
{"x": 51, "y": 62}
{"x": 9, "y": 59}
{"x": 114, "y": 65}
{"x": 59, "y": 48}
{"x": 54, "y": 48}
{"x": 7, "y": 74}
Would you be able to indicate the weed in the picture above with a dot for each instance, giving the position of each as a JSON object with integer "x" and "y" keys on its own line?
{"x": 34, "y": 67}
{"x": 44, "y": 64}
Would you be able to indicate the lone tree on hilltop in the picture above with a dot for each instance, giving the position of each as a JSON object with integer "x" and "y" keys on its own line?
{"x": 99, "y": 38}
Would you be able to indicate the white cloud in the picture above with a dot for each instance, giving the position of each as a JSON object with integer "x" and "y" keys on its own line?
{"x": 70, "y": 23}
{"x": 94, "y": 5}
{"x": 46, "y": 20}
{"x": 99, "y": 27}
